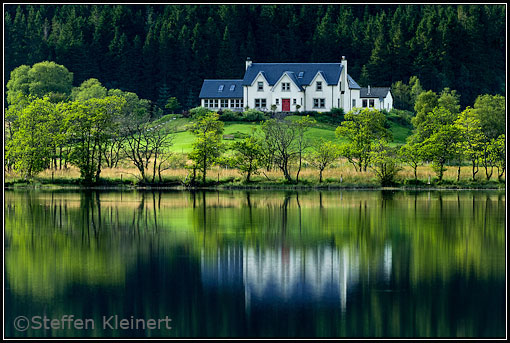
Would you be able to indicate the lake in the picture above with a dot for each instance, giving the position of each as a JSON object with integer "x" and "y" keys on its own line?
{"x": 255, "y": 264}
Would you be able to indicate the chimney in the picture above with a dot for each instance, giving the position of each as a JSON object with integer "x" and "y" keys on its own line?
{"x": 248, "y": 62}
{"x": 368, "y": 92}
{"x": 343, "y": 78}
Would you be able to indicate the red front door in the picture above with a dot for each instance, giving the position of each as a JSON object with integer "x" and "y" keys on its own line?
{"x": 286, "y": 105}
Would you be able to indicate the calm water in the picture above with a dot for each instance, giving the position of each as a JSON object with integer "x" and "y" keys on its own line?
{"x": 251, "y": 264}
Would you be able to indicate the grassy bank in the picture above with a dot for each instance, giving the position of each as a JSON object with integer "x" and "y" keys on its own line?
{"x": 183, "y": 139}
{"x": 341, "y": 176}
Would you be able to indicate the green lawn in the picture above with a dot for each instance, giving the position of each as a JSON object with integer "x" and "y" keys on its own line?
{"x": 183, "y": 139}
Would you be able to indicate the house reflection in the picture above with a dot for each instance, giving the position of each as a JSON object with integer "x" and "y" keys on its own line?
{"x": 295, "y": 275}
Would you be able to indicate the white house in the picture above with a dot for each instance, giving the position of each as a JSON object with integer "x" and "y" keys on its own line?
{"x": 379, "y": 98}
{"x": 289, "y": 86}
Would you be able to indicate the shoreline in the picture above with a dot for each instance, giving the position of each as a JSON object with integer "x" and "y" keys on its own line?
{"x": 261, "y": 187}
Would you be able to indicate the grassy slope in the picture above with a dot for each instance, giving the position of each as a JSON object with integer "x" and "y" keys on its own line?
{"x": 184, "y": 139}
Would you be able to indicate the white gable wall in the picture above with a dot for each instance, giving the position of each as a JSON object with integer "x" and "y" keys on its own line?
{"x": 388, "y": 102}
{"x": 250, "y": 93}
{"x": 329, "y": 93}
{"x": 294, "y": 93}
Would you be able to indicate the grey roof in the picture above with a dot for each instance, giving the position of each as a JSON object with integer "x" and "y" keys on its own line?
{"x": 210, "y": 89}
{"x": 273, "y": 71}
{"x": 375, "y": 92}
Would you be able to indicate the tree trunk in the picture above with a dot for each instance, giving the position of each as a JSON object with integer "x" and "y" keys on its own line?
{"x": 487, "y": 174}
{"x": 299, "y": 169}
{"x": 320, "y": 176}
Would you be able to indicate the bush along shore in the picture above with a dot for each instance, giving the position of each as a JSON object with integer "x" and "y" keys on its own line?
{"x": 333, "y": 178}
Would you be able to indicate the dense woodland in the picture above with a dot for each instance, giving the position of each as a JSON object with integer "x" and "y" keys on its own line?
{"x": 158, "y": 51}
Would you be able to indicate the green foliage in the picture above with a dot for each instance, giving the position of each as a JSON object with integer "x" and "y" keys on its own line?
{"x": 402, "y": 117}
{"x": 405, "y": 95}
{"x": 337, "y": 112}
{"x": 361, "y": 128}
{"x": 229, "y": 115}
{"x": 158, "y": 51}
{"x": 490, "y": 110}
{"x": 499, "y": 155}
{"x": 31, "y": 145}
{"x": 89, "y": 89}
{"x": 425, "y": 103}
{"x": 323, "y": 154}
{"x": 207, "y": 146}
{"x": 442, "y": 139}
{"x": 449, "y": 99}
{"x": 88, "y": 124}
{"x": 173, "y": 105}
{"x": 471, "y": 138}
{"x": 283, "y": 142}
{"x": 199, "y": 112}
{"x": 411, "y": 153}
{"x": 44, "y": 78}
{"x": 247, "y": 157}
{"x": 253, "y": 115}
{"x": 384, "y": 162}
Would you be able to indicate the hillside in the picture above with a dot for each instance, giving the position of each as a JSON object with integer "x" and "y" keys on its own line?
{"x": 184, "y": 139}
{"x": 157, "y": 51}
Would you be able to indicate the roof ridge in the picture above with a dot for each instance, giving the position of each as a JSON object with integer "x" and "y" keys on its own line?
{"x": 223, "y": 79}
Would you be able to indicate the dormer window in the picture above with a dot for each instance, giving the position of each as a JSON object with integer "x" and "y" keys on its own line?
{"x": 301, "y": 73}
{"x": 220, "y": 88}
{"x": 318, "y": 87}
{"x": 260, "y": 86}
{"x": 232, "y": 87}
{"x": 285, "y": 86}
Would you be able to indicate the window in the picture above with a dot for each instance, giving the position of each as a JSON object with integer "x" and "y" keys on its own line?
{"x": 236, "y": 103}
{"x": 215, "y": 103}
{"x": 371, "y": 102}
{"x": 224, "y": 103}
{"x": 319, "y": 103}
{"x": 260, "y": 86}
{"x": 277, "y": 101}
{"x": 206, "y": 102}
{"x": 364, "y": 103}
{"x": 294, "y": 101}
{"x": 353, "y": 103}
{"x": 300, "y": 75}
{"x": 220, "y": 88}
{"x": 285, "y": 86}
{"x": 318, "y": 86}
{"x": 260, "y": 103}
{"x": 232, "y": 87}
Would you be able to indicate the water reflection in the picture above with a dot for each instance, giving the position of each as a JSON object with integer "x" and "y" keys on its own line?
{"x": 378, "y": 264}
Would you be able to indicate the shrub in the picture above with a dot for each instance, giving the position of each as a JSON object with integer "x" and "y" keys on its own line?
{"x": 177, "y": 161}
{"x": 228, "y": 115}
{"x": 384, "y": 163}
{"x": 401, "y": 117}
{"x": 253, "y": 115}
{"x": 198, "y": 112}
{"x": 337, "y": 112}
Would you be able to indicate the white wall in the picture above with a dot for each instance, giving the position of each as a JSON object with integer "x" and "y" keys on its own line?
{"x": 331, "y": 94}
{"x": 250, "y": 93}
{"x": 294, "y": 93}
{"x": 326, "y": 93}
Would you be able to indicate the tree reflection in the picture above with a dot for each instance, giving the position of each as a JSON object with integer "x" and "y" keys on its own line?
{"x": 415, "y": 263}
